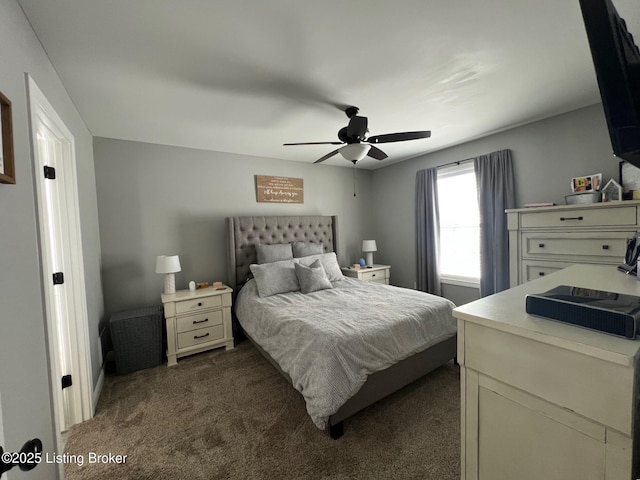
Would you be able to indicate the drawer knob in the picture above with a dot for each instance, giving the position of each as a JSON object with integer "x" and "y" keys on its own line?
{"x": 541, "y": 245}
{"x": 199, "y": 304}
{"x": 196, "y": 337}
{"x": 373, "y": 275}
{"x": 195, "y": 322}
{"x": 541, "y": 274}
{"x": 605, "y": 247}
{"x": 564, "y": 219}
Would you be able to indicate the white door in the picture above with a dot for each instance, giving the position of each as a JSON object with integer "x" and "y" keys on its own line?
{"x": 62, "y": 263}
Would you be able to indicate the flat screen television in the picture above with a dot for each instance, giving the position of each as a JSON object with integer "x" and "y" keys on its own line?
{"x": 616, "y": 59}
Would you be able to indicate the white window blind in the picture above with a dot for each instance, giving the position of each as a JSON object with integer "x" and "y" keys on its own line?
{"x": 459, "y": 224}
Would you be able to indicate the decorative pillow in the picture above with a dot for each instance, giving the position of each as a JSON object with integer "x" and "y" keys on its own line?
{"x": 304, "y": 249}
{"x": 312, "y": 278}
{"x": 275, "y": 277}
{"x": 330, "y": 263}
{"x": 274, "y": 252}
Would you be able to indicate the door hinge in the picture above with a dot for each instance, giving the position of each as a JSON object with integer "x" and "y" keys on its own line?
{"x": 66, "y": 381}
{"x": 58, "y": 278}
{"x": 49, "y": 172}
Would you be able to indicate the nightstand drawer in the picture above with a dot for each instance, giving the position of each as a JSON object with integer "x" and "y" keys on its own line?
{"x": 202, "y": 335}
{"x": 201, "y": 320}
{"x": 378, "y": 276}
{"x": 198, "y": 304}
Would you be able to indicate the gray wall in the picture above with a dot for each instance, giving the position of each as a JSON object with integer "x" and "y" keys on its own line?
{"x": 159, "y": 200}
{"x": 546, "y": 154}
{"x": 24, "y": 371}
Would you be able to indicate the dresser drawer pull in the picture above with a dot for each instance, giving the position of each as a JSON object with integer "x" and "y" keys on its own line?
{"x": 199, "y": 304}
{"x": 373, "y": 275}
{"x": 541, "y": 274}
{"x": 563, "y": 219}
{"x": 195, "y": 337}
{"x": 195, "y": 322}
{"x": 541, "y": 245}
{"x": 605, "y": 247}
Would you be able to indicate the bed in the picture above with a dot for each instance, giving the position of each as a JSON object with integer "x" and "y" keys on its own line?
{"x": 285, "y": 327}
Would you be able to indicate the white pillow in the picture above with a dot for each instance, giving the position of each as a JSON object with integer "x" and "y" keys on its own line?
{"x": 330, "y": 263}
{"x": 312, "y": 278}
{"x": 275, "y": 277}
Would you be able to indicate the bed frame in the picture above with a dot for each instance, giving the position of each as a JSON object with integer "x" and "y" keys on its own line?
{"x": 243, "y": 233}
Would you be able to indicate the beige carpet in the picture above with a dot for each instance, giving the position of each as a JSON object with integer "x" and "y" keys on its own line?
{"x": 230, "y": 415}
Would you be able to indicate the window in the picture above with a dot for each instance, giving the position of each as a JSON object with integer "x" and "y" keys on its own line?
{"x": 459, "y": 225}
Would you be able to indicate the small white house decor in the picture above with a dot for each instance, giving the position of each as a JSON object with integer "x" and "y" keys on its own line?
{"x": 612, "y": 191}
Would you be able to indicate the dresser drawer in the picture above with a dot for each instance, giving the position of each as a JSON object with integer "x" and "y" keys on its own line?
{"x": 201, "y": 320}
{"x": 379, "y": 276}
{"x": 607, "y": 246}
{"x": 202, "y": 335}
{"x": 534, "y": 269}
{"x": 198, "y": 304}
{"x": 580, "y": 217}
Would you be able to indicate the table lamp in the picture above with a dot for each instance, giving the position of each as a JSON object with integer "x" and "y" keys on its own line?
{"x": 169, "y": 265}
{"x": 368, "y": 247}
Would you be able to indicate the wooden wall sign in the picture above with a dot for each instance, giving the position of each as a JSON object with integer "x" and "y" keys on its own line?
{"x": 279, "y": 189}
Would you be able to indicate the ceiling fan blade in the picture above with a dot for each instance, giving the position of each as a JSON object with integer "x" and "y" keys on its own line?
{"x": 398, "y": 137}
{"x": 328, "y": 155}
{"x": 357, "y": 127}
{"x": 313, "y": 143}
{"x": 375, "y": 152}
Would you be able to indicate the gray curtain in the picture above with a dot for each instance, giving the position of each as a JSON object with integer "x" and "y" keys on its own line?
{"x": 427, "y": 231}
{"x": 496, "y": 192}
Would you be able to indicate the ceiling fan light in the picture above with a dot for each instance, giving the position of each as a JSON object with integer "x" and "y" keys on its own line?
{"x": 355, "y": 151}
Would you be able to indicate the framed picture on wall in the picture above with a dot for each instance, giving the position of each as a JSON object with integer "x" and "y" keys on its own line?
{"x": 7, "y": 174}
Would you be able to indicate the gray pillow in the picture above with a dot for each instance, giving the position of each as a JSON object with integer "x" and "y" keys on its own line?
{"x": 330, "y": 263}
{"x": 312, "y": 278}
{"x": 274, "y": 252}
{"x": 275, "y": 277}
{"x": 304, "y": 249}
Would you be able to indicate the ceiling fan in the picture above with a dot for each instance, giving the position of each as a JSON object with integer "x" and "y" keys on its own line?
{"x": 356, "y": 143}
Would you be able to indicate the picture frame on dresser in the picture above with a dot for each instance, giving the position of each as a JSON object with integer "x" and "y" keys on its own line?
{"x": 7, "y": 165}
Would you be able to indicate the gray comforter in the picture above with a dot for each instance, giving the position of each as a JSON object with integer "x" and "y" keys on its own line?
{"x": 329, "y": 341}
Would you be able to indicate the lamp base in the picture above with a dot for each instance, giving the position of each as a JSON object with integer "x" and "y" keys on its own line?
{"x": 369, "y": 256}
{"x": 169, "y": 283}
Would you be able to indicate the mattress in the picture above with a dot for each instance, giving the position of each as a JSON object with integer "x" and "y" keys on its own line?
{"x": 330, "y": 341}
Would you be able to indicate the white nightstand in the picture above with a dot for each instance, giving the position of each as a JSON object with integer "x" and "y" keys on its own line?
{"x": 375, "y": 273}
{"x": 197, "y": 321}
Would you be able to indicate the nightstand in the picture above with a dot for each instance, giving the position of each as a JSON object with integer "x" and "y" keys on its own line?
{"x": 375, "y": 273}
{"x": 197, "y": 321}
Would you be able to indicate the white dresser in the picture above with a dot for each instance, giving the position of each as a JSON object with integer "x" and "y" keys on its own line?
{"x": 542, "y": 399}
{"x": 197, "y": 321}
{"x": 547, "y": 239}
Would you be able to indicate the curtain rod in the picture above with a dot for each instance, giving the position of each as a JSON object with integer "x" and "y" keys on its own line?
{"x": 456, "y": 163}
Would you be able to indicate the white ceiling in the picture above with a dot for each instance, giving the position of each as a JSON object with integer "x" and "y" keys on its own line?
{"x": 246, "y": 76}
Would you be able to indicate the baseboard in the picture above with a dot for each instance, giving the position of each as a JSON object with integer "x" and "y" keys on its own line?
{"x": 97, "y": 391}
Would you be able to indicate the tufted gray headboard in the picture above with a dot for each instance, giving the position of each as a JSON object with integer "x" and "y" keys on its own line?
{"x": 243, "y": 233}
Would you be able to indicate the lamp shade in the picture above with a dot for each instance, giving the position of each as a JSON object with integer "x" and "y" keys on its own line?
{"x": 167, "y": 264}
{"x": 355, "y": 151}
{"x": 369, "y": 246}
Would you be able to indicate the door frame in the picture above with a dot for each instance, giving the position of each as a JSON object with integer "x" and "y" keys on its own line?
{"x": 39, "y": 109}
